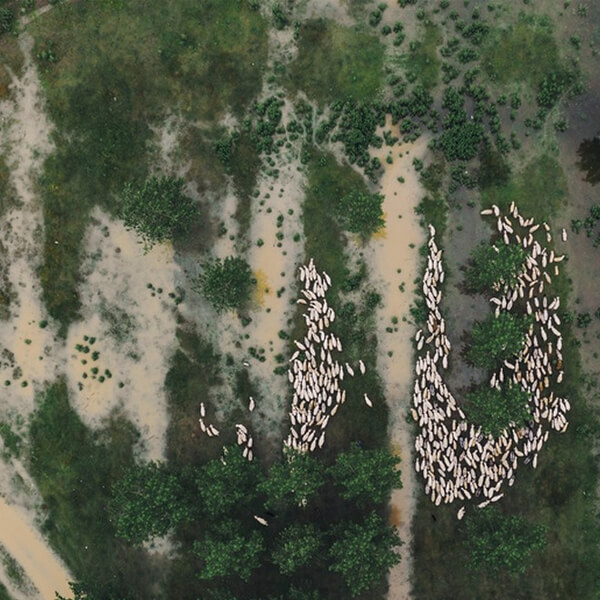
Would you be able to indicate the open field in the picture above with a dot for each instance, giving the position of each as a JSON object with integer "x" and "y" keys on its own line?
{"x": 165, "y": 171}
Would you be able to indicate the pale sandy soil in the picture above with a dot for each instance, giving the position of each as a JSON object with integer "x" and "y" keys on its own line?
{"x": 134, "y": 327}
{"x": 394, "y": 264}
{"x": 25, "y": 138}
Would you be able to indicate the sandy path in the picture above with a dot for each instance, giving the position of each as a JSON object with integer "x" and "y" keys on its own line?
{"x": 394, "y": 266}
{"x": 25, "y": 346}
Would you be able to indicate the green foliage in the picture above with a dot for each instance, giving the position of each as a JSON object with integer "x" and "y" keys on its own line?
{"x": 495, "y": 409}
{"x": 147, "y": 502}
{"x": 497, "y": 338}
{"x": 297, "y": 546}
{"x": 298, "y": 479}
{"x": 540, "y": 189}
{"x": 361, "y": 213}
{"x": 461, "y": 142}
{"x": 422, "y": 60}
{"x": 336, "y": 63}
{"x": 228, "y": 549}
{"x": 226, "y": 284}
{"x": 158, "y": 210}
{"x": 497, "y": 264}
{"x": 497, "y": 542}
{"x": 228, "y": 483}
{"x": 509, "y": 53}
{"x": 366, "y": 475}
{"x": 363, "y": 551}
{"x": 553, "y": 86}
{"x": 7, "y": 19}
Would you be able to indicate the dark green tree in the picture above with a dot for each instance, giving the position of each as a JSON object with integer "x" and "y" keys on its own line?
{"x": 497, "y": 542}
{"x": 497, "y": 338}
{"x": 226, "y": 284}
{"x": 297, "y": 478}
{"x": 364, "y": 552}
{"x": 229, "y": 549}
{"x": 147, "y": 501}
{"x": 226, "y": 483}
{"x": 297, "y": 545}
{"x": 495, "y": 409}
{"x": 361, "y": 213}
{"x": 366, "y": 475}
{"x": 498, "y": 264}
{"x": 158, "y": 210}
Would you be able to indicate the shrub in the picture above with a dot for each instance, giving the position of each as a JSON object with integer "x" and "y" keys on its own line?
{"x": 226, "y": 284}
{"x": 361, "y": 213}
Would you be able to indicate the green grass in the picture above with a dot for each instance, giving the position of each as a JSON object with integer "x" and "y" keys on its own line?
{"x": 336, "y": 63}
{"x": 423, "y": 62}
{"x": 74, "y": 469}
{"x": 539, "y": 189}
{"x": 4, "y": 595}
{"x": 523, "y": 52}
{"x": 121, "y": 68}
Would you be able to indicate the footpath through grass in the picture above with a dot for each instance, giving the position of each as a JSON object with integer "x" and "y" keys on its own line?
{"x": 110, "y": 71}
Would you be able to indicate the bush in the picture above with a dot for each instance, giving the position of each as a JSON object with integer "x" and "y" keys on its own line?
{"x": 158, "y": 210}
{"x": 361, "y": 213}
{"x": 226, "y": 284}
{"x": 7, "y": 19}
{"x": 494, "y": 264}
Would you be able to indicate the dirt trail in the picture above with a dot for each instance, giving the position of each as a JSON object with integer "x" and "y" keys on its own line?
{"x": 29, "y": 353}
{"x": 393, "y": 256}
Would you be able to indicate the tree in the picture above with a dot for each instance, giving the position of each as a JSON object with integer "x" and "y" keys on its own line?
{"x": 296, "y": 546}
{"x": 461, "y": 141}
{"x": 158, "y": 210}
{"x": 229, "y": 549}
{"x": 492, "y": 265}
{"x": 147, "y": 501}
{"x": 495, "y": 409}
{"x": 497, "y": 542}
{"x": 364, "y": 552}
{"x": 361, "y": 213}
{"x": 497, "y": 338}
{"x": 297, "y": 478}
{"x": 226, "y": 284}
{"x": 224, "y": 484}
{"x": 366, "y": 475}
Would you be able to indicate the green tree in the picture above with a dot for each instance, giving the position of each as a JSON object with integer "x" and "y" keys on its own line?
{"x": 497, "y": 542}
{"x": 297, "y": 545}
{"x": 495, "y": 409}
{"x": 297, "y": 478}
{"x": 364, "y": 552}
{"x": 226, "y": 284}
{"x": 147, "y": 501}
{"x": 497, "y": 338}
{"x": 223, "y": 484}
{"x": 229, "y": 549}
{"x": 366, "y": 475}
{"x": 158, "y": 210}
{"x": 361, "y": 213}
{"x": 494, "y": 265}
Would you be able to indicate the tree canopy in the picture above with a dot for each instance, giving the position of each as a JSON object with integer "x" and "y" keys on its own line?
{"x": 297, "y": 478}
{"x": 366, "y": 475}
{"x": 227, "y": 483}
{"x": 497, "y": 542}
{"x": 495, "y": 409}
{"x": 226, "y": 284}
{"x": 361, "y": 213}
{"x": 229, "y": 549}
{"x": 497, "y": 338}
{"x": 364, "y": 551}
{"x": 147, "y": 502}
{"x": 494, "y": 264}
{"x": 158, "y": 210}
{"x": 297, "y": 545}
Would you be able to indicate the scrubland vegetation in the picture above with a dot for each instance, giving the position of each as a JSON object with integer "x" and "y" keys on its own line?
{"x": 113, "y": 72}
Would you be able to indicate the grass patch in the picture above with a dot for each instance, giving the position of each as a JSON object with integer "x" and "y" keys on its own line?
{"x": 539, "y": 189}
{"x": 422, "y": 62}
{"x": 509, "y": 54}
{"x": 336, "y": 63}
{"x": 74, "y": 470}
{"x": 120, "y": 68}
